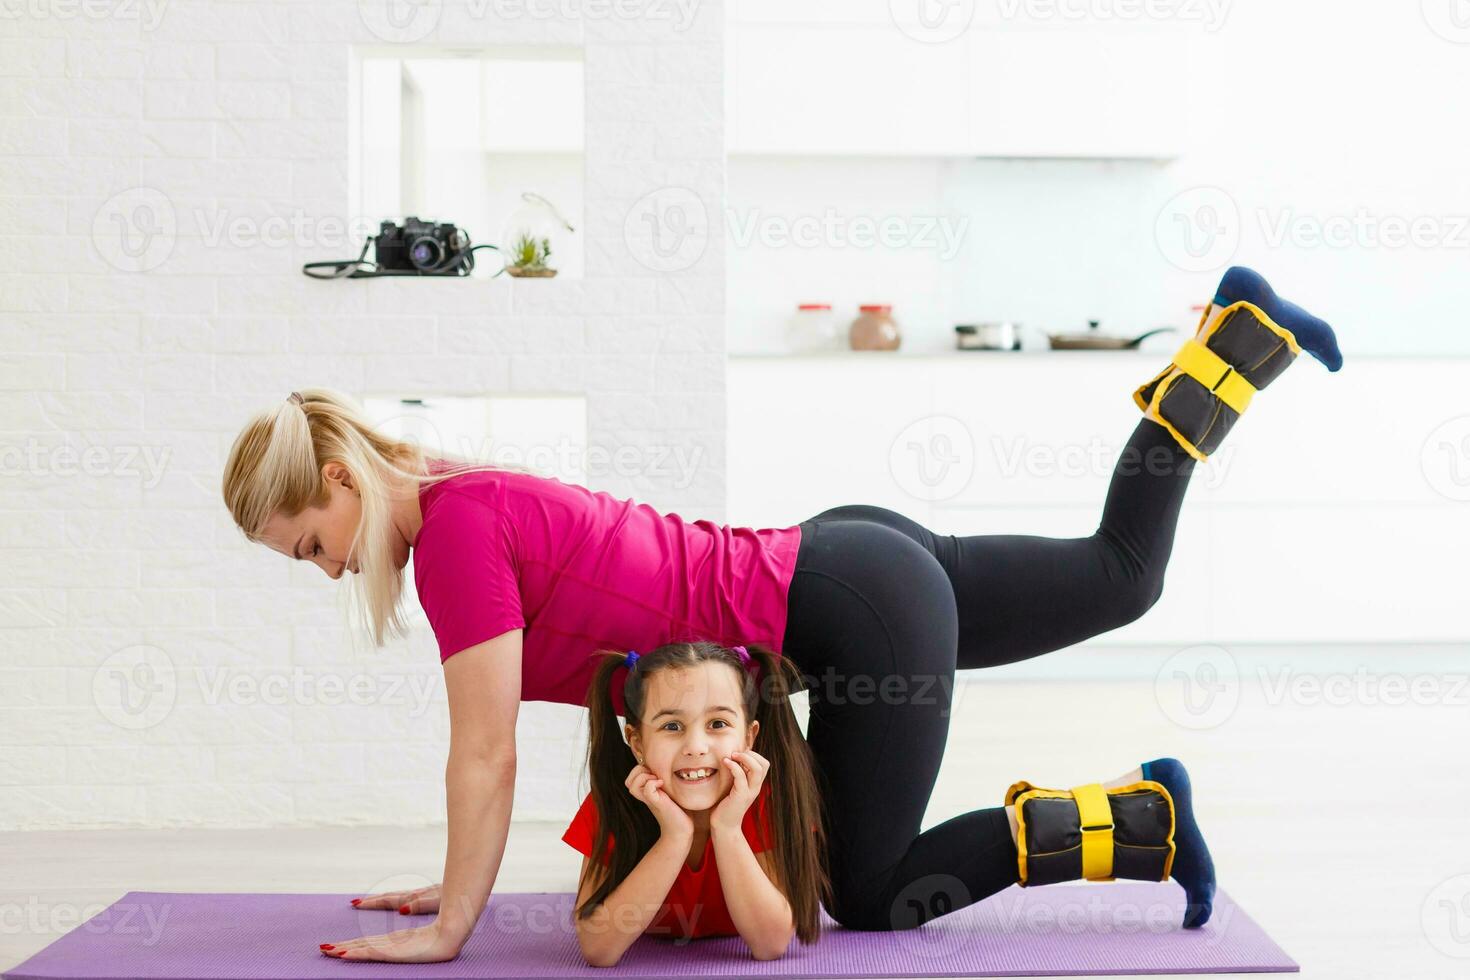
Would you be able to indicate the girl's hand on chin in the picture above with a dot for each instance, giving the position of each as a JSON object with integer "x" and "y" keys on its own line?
{"x": 748, "y": 769}
{"x": 673, "y": 821}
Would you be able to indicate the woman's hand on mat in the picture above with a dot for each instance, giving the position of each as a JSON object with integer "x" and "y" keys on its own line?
{"x": 673, "y": 821}
{"x": 415, "y": 901}
{"x": 748, "y": 769}
{"x": 422, "y": 944}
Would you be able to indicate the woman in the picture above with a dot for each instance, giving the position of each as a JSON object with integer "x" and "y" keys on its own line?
{"x": 524, "y": 577}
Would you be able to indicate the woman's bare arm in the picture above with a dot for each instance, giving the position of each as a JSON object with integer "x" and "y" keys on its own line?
{"x": 484, "y": 688}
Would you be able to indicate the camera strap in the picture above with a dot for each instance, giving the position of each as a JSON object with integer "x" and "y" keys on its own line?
{"x": 360, "y": 268}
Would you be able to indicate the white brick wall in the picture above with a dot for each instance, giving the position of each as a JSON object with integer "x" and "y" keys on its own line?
{"x": 120, "y": 559}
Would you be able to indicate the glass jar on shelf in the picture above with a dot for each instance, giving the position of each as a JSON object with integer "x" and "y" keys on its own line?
{"x": 874, "y": 328}
{"x": 813, "y": 327}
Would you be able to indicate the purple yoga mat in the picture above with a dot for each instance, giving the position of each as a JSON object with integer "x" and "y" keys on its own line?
{"x": 1079, "y": 930}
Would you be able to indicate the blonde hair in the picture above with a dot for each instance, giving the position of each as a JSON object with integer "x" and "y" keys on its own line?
{"x": 275, "y": 466}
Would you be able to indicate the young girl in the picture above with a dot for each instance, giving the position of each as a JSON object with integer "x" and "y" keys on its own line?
{"x": 706, "y": 818}
{"x": 717, "y": 846}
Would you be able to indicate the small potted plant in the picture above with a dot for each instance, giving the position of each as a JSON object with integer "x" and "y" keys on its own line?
{"x": 528, "y": 257}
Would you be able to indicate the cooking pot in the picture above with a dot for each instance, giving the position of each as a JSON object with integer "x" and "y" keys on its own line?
{"x": 1093, "y": 339}
{"x": 995, "y": 335}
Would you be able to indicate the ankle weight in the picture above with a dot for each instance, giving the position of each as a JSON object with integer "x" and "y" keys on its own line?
{"x": 1202, "y": 393}
{"x": 1093, "y": 833}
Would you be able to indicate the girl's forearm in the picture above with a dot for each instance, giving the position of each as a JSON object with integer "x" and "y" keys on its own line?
{"x": 757, "y": 908}
{"x": 621, "y": 918}
{"x": 479, "y": 790}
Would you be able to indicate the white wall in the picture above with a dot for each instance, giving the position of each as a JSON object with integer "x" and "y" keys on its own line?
{"x": 1305, "y": 120}
{"x": 238, "y": 110}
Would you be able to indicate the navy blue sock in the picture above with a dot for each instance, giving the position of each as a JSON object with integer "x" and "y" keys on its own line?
{"x": 1314, "y": 335}
{"x": 1192, "y": 867}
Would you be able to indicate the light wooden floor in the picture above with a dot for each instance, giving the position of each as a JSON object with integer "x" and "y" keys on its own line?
{"x": 1340, "y": 827}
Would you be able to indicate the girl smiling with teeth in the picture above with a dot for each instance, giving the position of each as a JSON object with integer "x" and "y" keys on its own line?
{"x": 737, "y": 851}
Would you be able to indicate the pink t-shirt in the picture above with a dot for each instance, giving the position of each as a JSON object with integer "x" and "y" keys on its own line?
{"x": 582, "y": 570}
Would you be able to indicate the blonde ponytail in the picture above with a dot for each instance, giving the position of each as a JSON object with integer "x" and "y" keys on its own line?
{"x": 275, "y": 466}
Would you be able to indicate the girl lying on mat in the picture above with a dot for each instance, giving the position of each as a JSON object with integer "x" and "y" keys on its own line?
{"x": 700, "y": 834}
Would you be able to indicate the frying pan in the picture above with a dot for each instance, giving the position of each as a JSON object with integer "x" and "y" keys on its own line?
{"x": 1093, "y": 340}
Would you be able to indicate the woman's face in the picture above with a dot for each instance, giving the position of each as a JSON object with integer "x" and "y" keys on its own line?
{"x": 693, "y": 718}
{"x": 323, "y": 535}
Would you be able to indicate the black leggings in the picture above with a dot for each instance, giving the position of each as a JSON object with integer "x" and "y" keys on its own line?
{"x": 881, "y": 611}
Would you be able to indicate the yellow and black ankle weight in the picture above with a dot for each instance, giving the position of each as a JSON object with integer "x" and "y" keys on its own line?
{"x": 1202, "y": 393}
{"x": 1093, "y": 832}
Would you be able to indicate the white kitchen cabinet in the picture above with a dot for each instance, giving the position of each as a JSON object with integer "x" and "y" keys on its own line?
{"x": 843, "y": 90}
{"x": 866, "y": 89}
{"x": 1070, "y": 93}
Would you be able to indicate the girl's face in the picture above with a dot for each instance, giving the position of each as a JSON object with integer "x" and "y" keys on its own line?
{"x": 693, "y": 719}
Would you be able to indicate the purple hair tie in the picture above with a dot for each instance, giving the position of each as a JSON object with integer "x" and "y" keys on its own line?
{"x": 743, "y": 654}
{"x": 631, "y": 660}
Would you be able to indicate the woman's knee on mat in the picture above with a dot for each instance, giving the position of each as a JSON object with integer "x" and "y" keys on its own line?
{"x": 892, "y": 909}
{"x": 860, "y": 908}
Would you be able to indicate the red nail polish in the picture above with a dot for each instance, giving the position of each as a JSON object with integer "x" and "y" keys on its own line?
{"x": 328, "y": 946}
{"x": 403, "y": 910}
{"x": 357, "y": 901}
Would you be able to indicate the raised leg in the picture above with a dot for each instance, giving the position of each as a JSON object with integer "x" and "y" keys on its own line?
{"x": 1021, "y": 595}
